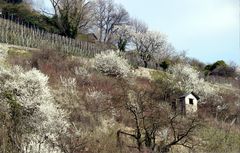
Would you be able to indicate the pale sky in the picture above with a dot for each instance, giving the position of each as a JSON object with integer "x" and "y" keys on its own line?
{"x": 207, "y": 29}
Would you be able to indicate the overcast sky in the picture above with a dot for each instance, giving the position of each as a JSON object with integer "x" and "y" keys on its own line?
{"x": 207, "y": 29}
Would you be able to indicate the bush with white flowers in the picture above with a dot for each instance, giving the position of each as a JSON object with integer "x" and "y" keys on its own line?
{"x": 69, "y": 84}
{"x": 111, "y": 63}
{"x": 187, "y": 79}
{"x": 33, "y": 120}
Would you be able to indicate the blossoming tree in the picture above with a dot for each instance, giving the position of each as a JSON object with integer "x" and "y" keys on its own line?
{"x": 30, "y": 116}
{"x": 150, "y": 45}
{"x": 111, "y": 63}
{"x": 187, "y": 79}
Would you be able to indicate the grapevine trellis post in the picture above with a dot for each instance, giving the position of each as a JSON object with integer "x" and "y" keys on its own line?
{"x": 12, "y": 31}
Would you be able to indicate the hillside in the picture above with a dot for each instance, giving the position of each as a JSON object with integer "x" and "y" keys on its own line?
{"x": 100, "y": 106}
{"x": 87, "y": 77}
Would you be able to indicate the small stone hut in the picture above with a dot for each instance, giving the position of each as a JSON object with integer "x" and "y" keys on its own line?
{"x": 186, "y": 104}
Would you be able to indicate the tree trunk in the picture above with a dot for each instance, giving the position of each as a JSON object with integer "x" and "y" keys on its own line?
{"x": 145, "y": 64}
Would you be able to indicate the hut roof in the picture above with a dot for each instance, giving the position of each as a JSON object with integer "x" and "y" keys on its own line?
{"x": 185, "y": 95}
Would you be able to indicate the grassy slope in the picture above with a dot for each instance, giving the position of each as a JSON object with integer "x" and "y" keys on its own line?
{"x": 210, "y": 135}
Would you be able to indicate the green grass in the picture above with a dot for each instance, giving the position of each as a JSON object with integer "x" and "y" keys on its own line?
{"x": 159, "y": 75}
{"x": 14, "y": 51}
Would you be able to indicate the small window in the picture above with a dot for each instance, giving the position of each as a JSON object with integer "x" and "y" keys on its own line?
{"x": 190, "y": 101}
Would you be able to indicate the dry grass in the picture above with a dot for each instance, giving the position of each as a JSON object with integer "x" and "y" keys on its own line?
{"x": 99, "y": 98}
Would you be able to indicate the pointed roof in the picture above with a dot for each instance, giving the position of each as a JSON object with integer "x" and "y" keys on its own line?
{"x": 195, "y": 95}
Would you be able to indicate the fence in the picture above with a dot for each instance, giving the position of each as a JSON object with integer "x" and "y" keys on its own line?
{"x": 15, "y": 33}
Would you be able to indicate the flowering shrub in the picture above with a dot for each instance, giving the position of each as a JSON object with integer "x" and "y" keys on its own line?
{"x": 33, "y": 117}
{"x": 110, "y": 63}
{"x": 68, "y": 83}
{"x": 188, "y": 79}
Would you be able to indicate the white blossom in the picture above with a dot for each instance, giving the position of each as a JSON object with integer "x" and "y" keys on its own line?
{"x": 124, "y": 32}
{"x": 188, "y": 79}
{"x": 30, "y": 91}
{"x": 110, "y": 63}
{"x": 151, "y": 41}
{"x": 69, "y": 83}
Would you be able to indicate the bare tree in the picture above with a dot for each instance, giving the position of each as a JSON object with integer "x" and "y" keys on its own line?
{"x": 155, "y": 127}
{"x": 144, "y": 132}
{"x": 123, "y": 32}
{"x": 138, "y": 25}
{"x": 72, "y": 142}
{"x": 72, "y": 16}
{"x": 150, "y": 45}
{"x": 107, "y": 16}
{"x": 122, "y": 37}
{"x": 181, "y": 133}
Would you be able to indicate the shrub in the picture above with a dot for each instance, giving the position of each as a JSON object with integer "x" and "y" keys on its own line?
{"x": 196, "y": 64}
{"x": 215, "y": 65}
{"x": 31, "y": 119}
{"x": 165, "y": 87}
{"x": 187, "y": 79}
{"x": 220, "y": 68}
{"x": 165, "y": 64}
{"x": 110, "y": 63}
{"x": 69, "y": 84}
{"x": 225, "y": 71}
